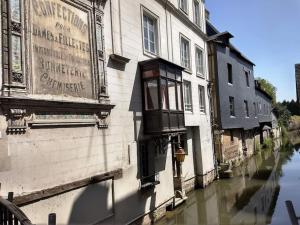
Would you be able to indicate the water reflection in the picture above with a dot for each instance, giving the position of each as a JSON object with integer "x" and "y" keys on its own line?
{"x": 256, "y": 195}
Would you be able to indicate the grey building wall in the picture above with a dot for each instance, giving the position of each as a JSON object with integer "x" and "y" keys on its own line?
{"x": 264, "y": 107}
{"x": 238, "y": 90}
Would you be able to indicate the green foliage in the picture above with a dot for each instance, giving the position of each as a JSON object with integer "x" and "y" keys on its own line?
{"x": 283, "y": 114}
{"x": 268, "y": 87}
{"x": 293, "y": 107}
{"x": 294, "y": 123}
{"x": 284, "y": 132}
{"x": 268, "y": 143}
{"x": 257, "y": 146}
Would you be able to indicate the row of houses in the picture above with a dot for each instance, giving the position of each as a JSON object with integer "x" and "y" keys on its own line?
{"x": 110, "y": 110}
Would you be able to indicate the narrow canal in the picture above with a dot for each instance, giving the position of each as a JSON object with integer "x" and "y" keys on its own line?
{"x": 256, "y": 195}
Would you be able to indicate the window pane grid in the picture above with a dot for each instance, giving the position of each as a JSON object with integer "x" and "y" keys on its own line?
{"x": 188, "y": 97}
{"x": 183, "y": 5}
{"x": 196, "y": 13}
{"x": 199, "y": 62}
{"x": 149, "y": 34}
{"x": 202, "y": 98}
{"x": 185, "y": 53}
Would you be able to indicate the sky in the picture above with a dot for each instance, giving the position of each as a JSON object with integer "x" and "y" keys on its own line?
{"x": 268, "y": 33}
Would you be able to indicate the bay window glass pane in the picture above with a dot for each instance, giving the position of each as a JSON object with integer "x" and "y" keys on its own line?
{"x": 172, "y": 95}
{"x": 15, "y": 10}
{"x": 179, "y": 99}
{"x": 151, "y": 94}
{"x": 16, "y": 53}
{"x": 164, "y": 93}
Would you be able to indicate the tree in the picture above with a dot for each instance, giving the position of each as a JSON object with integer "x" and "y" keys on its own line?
{"x": 269, "y": 88}
{"x": 283, "y": 114}
{"x": 293, "y": 107}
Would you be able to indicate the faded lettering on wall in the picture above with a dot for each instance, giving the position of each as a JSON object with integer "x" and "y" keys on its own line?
{"x": 61, "y": 49}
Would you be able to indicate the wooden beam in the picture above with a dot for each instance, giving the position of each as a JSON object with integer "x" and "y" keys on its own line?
{"x": 54, "y": 191}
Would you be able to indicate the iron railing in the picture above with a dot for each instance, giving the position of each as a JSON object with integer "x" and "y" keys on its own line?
{"x": 10, "y": 214}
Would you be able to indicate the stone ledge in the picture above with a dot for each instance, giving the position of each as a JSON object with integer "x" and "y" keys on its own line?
{"x": 54, "y": 191}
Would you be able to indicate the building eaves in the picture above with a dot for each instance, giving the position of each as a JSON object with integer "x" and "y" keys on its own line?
{"x": 217, "y": 38}
{"x": 183, "y": 18}
{"x": 258, "y": 88}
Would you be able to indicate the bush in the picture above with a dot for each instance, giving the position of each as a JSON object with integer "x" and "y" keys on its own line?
{"x": 284, "y": 132}
{"x": 257, "y": 146}
{"x": 268, "y": 143}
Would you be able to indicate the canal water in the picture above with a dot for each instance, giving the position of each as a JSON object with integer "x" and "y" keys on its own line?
{"x": 256, "y": 195}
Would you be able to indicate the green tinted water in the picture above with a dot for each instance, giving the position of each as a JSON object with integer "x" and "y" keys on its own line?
{"x": 256, "y": 195}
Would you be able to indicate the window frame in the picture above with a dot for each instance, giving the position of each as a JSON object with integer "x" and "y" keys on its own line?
{"x": 181, "y": 8}
{"x": 200, "y": 74}
{"x": 183, "y": 37}
{"x": 246, "y": 109}
{"x": 247, "y": 73}
{"x": 194, "y": 13}
{"x": 202, "y": 108}
{"x": 184, "y": 96}
{"x": 229, "y": 74}
{"x": 146, "y": 12}
{"x": 231, "y": 109}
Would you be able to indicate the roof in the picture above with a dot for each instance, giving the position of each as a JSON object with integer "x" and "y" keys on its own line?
{"x": 266, "y": 128}
{"x": 260, "y": 89}
{"x": 160, "y": 60}
{"x": 216, "y": 36}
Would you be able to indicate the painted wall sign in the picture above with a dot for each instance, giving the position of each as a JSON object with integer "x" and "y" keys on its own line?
{"x": 61, "y": 49}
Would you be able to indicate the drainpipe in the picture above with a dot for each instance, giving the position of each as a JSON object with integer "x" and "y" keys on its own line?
{"x": 210, "y": 95}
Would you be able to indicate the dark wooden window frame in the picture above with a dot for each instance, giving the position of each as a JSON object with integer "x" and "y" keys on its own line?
{"x": 229, "y": 74}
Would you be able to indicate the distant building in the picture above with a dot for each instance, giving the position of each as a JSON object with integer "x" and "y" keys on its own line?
{"x": 233, "y": 98}
{"x": 297, "y": 73}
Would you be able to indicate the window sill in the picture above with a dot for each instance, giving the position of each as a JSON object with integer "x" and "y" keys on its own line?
{"x": 150, "y": 54}
{"x": 230, "y": 84}
{"x": 184, "y": 12}
{"x": 232, "y": 117}
{"x": 149, "y": 185}
{"x": 203, "y": 113}
{"x": 188, "y": 112}
{"x": 200, "y": 75}
{"x": 187, "y": 70}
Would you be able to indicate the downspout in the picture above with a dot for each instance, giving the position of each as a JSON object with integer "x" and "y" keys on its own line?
{"x": 210, "y": 72}
{"x": 167, "y": 29}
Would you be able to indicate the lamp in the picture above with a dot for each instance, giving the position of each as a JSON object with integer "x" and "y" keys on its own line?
{"x": 180, "y": 154}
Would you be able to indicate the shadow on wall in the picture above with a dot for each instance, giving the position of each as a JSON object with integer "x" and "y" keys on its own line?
{"x": 96, "y": 205}
{"x": 92, "y": 205}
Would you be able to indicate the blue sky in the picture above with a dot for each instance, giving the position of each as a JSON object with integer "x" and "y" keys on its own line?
{"x": 268, "y": 33}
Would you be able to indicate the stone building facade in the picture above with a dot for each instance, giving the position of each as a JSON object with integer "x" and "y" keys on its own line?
{"x": 72, "y": 112}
